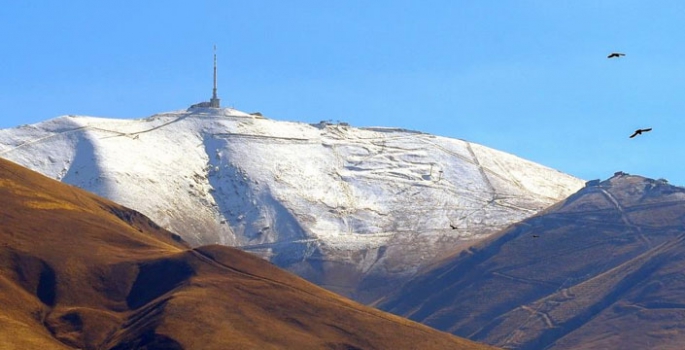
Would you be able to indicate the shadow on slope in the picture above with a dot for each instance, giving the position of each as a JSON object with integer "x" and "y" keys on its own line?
{"x": 547, "y": 281}
{"x": 251, "y": 210}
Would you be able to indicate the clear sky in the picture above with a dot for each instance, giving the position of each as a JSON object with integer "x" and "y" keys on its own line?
{"x": 526, "y": 77}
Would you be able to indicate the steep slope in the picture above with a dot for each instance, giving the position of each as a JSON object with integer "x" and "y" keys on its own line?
{"x": 78, "y": 271}
{"x": 341, "y": 206}
{"x": 601, "y": 270}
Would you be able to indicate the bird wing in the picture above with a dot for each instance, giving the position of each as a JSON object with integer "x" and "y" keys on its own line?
{"x": 649, "y": 129}
{"x": 634, "y": 134}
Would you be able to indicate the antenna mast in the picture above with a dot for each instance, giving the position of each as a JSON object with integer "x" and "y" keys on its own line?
{"x": 214, "y": 102}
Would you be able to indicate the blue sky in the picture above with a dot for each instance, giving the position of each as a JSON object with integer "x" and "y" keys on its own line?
{"x": 526, "y": 77}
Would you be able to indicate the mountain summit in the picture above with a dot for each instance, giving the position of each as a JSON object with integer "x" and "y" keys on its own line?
{"x": 338, "y": 205}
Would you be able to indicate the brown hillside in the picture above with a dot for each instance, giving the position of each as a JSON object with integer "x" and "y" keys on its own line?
{"x": 78, "y": 271}
{"x": 601, "y": 270}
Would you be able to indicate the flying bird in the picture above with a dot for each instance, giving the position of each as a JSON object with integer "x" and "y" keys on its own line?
{"x": 453, "y": 227}
{"x": 639, "y": 132}
{"x": 615, "y": 55}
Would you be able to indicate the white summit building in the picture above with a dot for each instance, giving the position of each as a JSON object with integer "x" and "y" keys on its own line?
{"x": 214, "y": 102}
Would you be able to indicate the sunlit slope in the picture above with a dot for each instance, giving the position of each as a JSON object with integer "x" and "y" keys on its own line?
{"x": 80, "y": 272}
{"x": 58, "y": 247}
{"x": 601, "y": 270}
{"x": 326, "y": 201}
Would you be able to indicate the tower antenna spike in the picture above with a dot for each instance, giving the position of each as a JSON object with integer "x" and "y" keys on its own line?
{"x": 214, "y": 102}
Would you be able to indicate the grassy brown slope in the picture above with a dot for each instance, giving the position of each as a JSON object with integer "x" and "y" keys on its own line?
{"x": 59, "y": 250}
{"x": 78, "y": 271}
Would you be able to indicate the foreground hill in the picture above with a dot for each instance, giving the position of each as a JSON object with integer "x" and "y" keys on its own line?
{"x": 78, "y": 271}
{"x": 601, "y": 270}
{"x": 350, "y": 209}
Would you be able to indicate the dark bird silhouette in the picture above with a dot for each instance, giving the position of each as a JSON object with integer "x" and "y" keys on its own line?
{"x": 453, "y": 227}
{"x": 615, "y": 55}
{"x": 535, "y": 236}
{"x": 639, "y": 132}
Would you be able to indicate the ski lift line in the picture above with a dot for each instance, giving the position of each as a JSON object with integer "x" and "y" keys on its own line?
{"x": 480, "y": 169}
{"x": 510, "y": 178}
{"x": 536, "y": 310}
{"x": 134, "y": 133}
{"x": 475, "y": 161}
{"x": 88, "y": 127}
{"x": 256, "y": 136}
{"x": 27, "y": 143}
{"x": 618, "y": 207}
{"x": 625, "y": 217}
{"x": 503, "y": 178}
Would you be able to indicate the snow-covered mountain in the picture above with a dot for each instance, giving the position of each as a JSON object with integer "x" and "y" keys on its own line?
{"x": 339, "y": 205}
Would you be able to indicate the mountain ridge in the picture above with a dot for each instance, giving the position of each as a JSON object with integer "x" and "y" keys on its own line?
{"x": 583, "y": 274}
